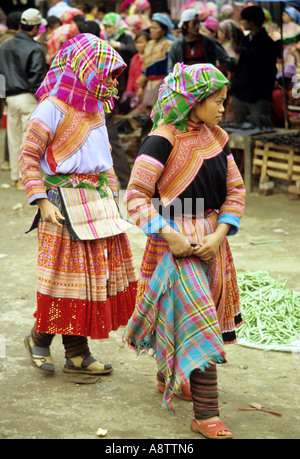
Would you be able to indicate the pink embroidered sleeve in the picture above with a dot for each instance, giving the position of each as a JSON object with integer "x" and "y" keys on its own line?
{"x": 37, "y": 139}
{"x": 138, "y": 198}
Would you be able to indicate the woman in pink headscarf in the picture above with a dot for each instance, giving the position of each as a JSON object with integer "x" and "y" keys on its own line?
{"x": 210, "y": 27}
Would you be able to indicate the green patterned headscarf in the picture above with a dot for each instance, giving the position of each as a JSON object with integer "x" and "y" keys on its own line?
{"x": 119, "y": 26}
{"x": 182, "y": 89}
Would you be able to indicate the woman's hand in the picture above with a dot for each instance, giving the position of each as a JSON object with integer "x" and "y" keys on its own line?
{"x": 210, "y": 244}
{"x": 49, "y": 212}
{"x": 178, "y": 243}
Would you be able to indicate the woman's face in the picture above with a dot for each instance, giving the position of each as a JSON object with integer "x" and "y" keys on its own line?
{"x": 208, "y": 32}
{"x": 285, "y": 17}
{"x": 109, "y": 80}
{"x": 140, "y": 44}
{"x": 156, "y": 32}
{"x": 221, "y": 36}
{"x": 210, "y": 111}
{"x": 109, "y": 30}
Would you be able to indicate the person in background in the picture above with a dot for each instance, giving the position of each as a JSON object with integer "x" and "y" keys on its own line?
{"x": 278, "y": 100}
{"x": 13, "y": 26}
{"x": 187, "y": 195}
{"x": 226, "y": 12}
{"x": 53, "y": 23}
{"x": 90, "y": 11}
{"x": 290, "y": 28}
{"x": 255, "y": 73}
{"x": 210, "y": 27}
{"x": 133, "y": 95}
{"x": 87, "y": 277}
{"x": 58, "y": 8}
{"x": 176, "y": 29}
{"x": 100, "y": 14}
{"x": 230, "y": 35}
{"x": 155, "y": 60}
{"x": 23, "y": 64}
{"x": 121, "y": 39}
{"x": 58, "y": 37}
{"x": 143, "y": 9}
{"x": 194, "y": 47}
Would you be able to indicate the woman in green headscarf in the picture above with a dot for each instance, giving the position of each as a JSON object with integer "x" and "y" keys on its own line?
{"x": 187, "y": 195}
{"x": 121, "y": 39}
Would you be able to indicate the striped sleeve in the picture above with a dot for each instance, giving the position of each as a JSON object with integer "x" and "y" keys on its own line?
{"x": 37, "y": 139}
{"x": 232, "y": 209}
{"x": 140, "y": 191}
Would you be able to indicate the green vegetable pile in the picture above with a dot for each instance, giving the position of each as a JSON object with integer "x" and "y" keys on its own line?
{"x": 270, "y": 312}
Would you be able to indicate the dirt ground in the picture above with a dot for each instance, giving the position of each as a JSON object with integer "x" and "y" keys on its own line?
{"x": 127, "y": 403}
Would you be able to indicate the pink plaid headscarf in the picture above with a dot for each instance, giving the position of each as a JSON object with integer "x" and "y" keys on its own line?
{"x": 78, "y": 71}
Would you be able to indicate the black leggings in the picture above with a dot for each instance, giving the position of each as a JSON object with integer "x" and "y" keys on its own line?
{"x": 204, "y": 389}
{"x": 74, "y": 345}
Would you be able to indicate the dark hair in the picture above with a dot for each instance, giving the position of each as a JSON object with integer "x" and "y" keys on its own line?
{"x": 28, "y": 28}
{"x": 78, "y": 18}
{"x": 101, "y": 9}
{"x": 142, "y": 33}
{"x": 89, "y": 27}
{"x": 176, "y": 23}
{"x": 52, "y": 21}
{"x": 254, "y": 14}
{"x": 88, "y": 7}
{"x": 13, "y": 20}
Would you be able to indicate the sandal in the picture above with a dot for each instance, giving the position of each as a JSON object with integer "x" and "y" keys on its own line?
{"x": 184, "y": 394}
{"x": 40, "y": 357}
{"x": 88, "y": 365}
{"x": 211, "y": 429}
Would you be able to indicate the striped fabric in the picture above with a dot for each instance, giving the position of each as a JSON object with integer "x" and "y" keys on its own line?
{"x": 78, "y": 71}
{"x": 222, "y": 278}
{"x": 182, "y": 89}
{"x": 88, "y": 216}
{"x": 189, "y": 152}
{"x": 177, "y": 318}
{"x": 84, "y": 288}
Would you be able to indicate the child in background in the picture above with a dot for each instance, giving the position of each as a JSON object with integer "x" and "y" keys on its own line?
{"x": 134, "y": 93}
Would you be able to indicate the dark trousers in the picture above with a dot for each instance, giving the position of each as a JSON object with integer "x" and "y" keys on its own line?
{"x": 121, "y": 165}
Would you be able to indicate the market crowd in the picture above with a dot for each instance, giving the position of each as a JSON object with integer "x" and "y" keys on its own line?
{"x": 247, "y": 49}
{"x": 67, "y": 77}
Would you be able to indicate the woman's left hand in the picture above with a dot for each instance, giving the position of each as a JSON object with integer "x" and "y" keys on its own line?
{"x": 208, "y": 248}
{"x": 210, "y": 244}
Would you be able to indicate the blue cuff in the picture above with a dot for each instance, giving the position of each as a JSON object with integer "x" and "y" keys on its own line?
{"x": 32, "y": 199}
{"x": 232, "y": 220}
{"x": 154, "y": 225}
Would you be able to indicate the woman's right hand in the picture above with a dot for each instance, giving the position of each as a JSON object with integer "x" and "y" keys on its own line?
{"x": 178, "y": 243}
{"x": 49, "y": 212}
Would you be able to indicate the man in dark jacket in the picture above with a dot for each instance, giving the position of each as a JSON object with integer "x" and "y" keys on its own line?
{"x": 23, "y": 65}
{"x": 193, "y": 47}
{"x": 255, "y": 75}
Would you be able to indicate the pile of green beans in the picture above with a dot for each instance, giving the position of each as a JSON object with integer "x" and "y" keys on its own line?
{"x": 270, "y": 312}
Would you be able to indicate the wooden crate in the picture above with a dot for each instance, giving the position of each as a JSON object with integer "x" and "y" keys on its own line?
{"x": 275, "y": 160}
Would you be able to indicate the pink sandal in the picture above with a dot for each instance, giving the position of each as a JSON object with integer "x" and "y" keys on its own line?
{"x": 211, "y": 429}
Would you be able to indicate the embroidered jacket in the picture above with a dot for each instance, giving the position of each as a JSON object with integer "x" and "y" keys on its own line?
{"x": 190, "y": 153}
{"x": 63, "y": 140}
